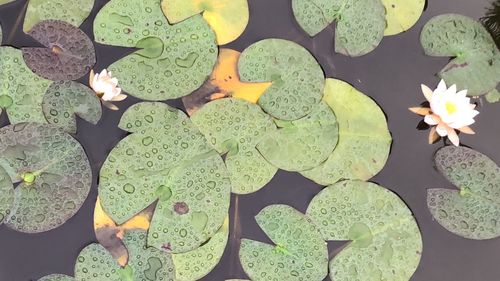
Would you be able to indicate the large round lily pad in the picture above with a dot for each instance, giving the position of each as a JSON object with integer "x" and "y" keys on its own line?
{"x": 299, "y": 253}
{"x": 297, "y": 78}
{"x": 235, "y": 127}
{"x": 228, "y": 18}
{"x": 360, "y": 23}
{"x": 173, "y": 60}
{"x": 364, "y": 139}
{"x": 68, "y": 54}
{"x": 53, "y": 173}
{"x": 473, "y": 210}
{"x": 302, "y": 144}
{"x": 22, "y": 90}
{"x": 65, "y": 99}
{"x": 401, "y": 15}
{"x": 74, "y": 12}
{"x": 384, "y": 238}
{"x": 475, "y": 64}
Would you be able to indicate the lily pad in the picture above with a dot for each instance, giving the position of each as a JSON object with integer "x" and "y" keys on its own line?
{"x": 68, "y": 54}
{"x": 65, "y": 99}
{"x": 235, "y": 127}
{"x": 473, "y": 210}
{"x": 53, "y": 173}
{"x": 401, "y": 15}
{"x": 228, "y": 18}
{"x": 181, "y": 56}
{"x": 297, "y": 78}
{"x": 73, "y": 12}
{"x": 57, "y": 277}
{"x": 7, "y": 191}
{"x": 360, "y": 23}
{"x": 384, "y": 238}
{"x": 22, "y": 90}
{"x": 364, "y": 138}
{"x": 96, "y": 263}
{"x": 302, "y": 144}
{"x": 224, "y": 83}
{"x": 475, "y": 63}
{"x": 2, "y": 2}
{"x": 299, "y": 253}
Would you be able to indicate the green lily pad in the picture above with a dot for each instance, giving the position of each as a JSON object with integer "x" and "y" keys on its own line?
{"x": 360, "y": 23}
{"x": 299, "y": 253}
{"x": 7, "y": 191}
{"x": 152, "y": 115}
{"x": 22, "y": 91}
{"x": 74, "y": 12}
{"x": 68, "y": 54}
{"x": 473, "y": 210}
{"x": 297, "y": 78}
{"x": 181, "y": 56}
{"x": 197, "y": 263}
{"x": 385, "y": 241}
{"x": 235, "y": 127}
{"x": 53, "y": 173}
{"x": 2, "y": 2}
{"x": 57, "y": 277}
{"x": 476, "y": 59}
{"x": 302, "y": 144}
{"x": 1, "y": 34}
{"x": 95, "y": 263}
{"x": 401, "y": 15}
{"x": 65, "y": 99}
{"x": 364, "y": 138}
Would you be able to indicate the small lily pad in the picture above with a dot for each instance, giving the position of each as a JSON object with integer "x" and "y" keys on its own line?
{"x": 302, "y": 144}
{"x": 7, "y": 191}
{"x": 401, "y": 15}
{"x": 65, "y": 99}
{"x": 95, "y": 263}
{"x": 299, "y": 253}
{"x": 53, "y": 173}
{"x": 181, "y": 56}
{"x": 364, "y": 138}
{"x": 152, "y": 115}
{"x": 475, "y": 64}
{"x": 360, "y": 23}
{"x": 228, "y": 18}
{"x": 22, "y": 91}
{"x": 297, "y": 78}
{"x": 473, "y": 210}
{"x": 68, "y": 54}
{"x": 57, "y": 277}
{"x": 385, "y": 241}
{"x": 235, "y": 127}
{"x": 73, "y": 12}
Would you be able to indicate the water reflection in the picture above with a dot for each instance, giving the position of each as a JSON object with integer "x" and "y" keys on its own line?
{"x": 492, "y": 21}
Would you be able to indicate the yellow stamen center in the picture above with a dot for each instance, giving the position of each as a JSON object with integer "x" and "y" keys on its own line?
{"x": 451, "y": 108}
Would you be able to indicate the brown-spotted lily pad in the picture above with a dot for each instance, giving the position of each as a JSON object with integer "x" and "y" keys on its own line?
{"x": 68, "y": 53}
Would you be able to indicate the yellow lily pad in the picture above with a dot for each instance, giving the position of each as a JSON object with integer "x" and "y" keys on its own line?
{"x": 401, "y": 15}
{"x": 228, "y": 18}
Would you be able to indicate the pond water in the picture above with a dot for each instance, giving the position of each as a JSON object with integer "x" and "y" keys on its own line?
{"x": 391, "y": 75}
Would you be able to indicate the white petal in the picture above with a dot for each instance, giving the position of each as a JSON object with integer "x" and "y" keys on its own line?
{"x": 430, "y": 121}
{"x": 441, "y": 130}
{"x": 442, "y": 86}
{"x": 427, "y": 92}
{"x": 453, "y": 137}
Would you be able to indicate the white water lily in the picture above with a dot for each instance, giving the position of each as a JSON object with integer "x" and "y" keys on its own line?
{"x": 449, "y": 111}
{"x": 106, "y": 88}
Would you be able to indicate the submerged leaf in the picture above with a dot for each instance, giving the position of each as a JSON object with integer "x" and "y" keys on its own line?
{"x": 401, "y": 15}
{"x": 473, "y": 210}
{"x": 73, "y": 12}
{"x": 476, "y": 59}
{"x": 302, "y": 144}
{"x": 53, "y": 173}
{"x": 174, "y": 60}
{"x": 68, "y": 54}
{"x": 385, "y": 241}
{"x": 299, "y": 253}
{"x": 228, "y": 18}
{"x": 360, "y": 23}
{"x": 364, "y": 139}
{"x": 235, "y": 127}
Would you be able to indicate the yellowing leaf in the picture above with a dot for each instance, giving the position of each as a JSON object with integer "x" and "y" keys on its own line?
{"x": 401, "y": 15}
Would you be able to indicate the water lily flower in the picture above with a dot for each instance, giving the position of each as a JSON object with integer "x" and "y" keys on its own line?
{"x": 106, "y": 88}
{"x": 450, "y": 111}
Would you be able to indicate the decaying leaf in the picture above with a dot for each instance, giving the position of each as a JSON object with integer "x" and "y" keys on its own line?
{"x": 473, "y": 210}
{"x": 53, "y": 173}
{"x": 235, "y": 127}
{"x": 401, "y": 15}
{"x": 223, "y": 83}
{"x": 475, "y": 64}
{"x": 299, "y": 251}
{"x": 384, "y": 238}
{"x": 228, "y": 18}
{"x": 364, "y": 138}
{"x": 172, "y": 60}
{"x": 360, "y": 23}
{"x": 68, "y": 54}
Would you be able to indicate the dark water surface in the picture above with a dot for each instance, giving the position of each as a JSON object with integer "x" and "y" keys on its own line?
{"x": 391, "y": 75}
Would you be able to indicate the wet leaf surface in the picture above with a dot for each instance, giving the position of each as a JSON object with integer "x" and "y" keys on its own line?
{"x": 73, "y": 12}
{"x": 401, "y": 15}
{"x": 57, "y": 277}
